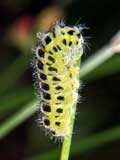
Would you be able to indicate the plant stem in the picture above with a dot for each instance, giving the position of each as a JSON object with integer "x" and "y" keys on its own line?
{"x": 96, "y": 60}
{"x": 67, "y": 141}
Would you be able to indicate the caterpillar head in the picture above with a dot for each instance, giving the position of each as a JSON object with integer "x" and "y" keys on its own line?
{"x": 65, "y": 41}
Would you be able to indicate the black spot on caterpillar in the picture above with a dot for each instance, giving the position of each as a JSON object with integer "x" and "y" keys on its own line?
{"x": 70, "y": 43}
{"x": 71, "y": 32}
{"x": 64, "y": 42}
{"x": 44, "y": 86}
{"x": 59, "y": 110}
{"x": 60, "y": 98}
{"x": 46, "y": 96}
{"x": 55, "y": 49}
{"x": 59, "y": 47}
{"x": 40, "y": 65}
{"x": 57, "y": 123}
{"x": 56, "y": 79}
{"x": 41, "y": 53}
{"x": 48, "y": 40}
{"x": 52, "y": 69}
{"x": 51, "y": 59}
{"x": 59, "y": 88}
{"x": 45, "y": 107}
{"x": 42, "y": 76}
{"x": 50, "y": 52}
{"x": 46, "y": 122}
{"x": 54, "y": 34}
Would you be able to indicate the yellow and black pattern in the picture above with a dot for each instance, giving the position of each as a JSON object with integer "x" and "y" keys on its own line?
{"x": 57, "y": 58}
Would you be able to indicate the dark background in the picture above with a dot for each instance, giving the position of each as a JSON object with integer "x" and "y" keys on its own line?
{"x": 100, "y": 107}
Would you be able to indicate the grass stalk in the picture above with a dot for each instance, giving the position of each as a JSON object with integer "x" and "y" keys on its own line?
{"x": 17, "y": 118}
{"x": 96, "y": 60}
{"x": 67, "y": 141}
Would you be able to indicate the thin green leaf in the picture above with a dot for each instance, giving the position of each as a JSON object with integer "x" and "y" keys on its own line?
{"x": 107, "y": 68}
{"x": 17, "y": 118}
{"x": 12, "y": 101}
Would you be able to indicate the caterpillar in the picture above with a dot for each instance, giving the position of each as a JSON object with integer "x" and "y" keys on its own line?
{"x": 57, "y": 58}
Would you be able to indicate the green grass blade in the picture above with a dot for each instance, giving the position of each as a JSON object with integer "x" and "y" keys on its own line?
{"x": 102, "y": 56}
{"x": 12, "y": 101}
{"x": 17, "y": 118}
{"x": 107, "y": 68}
{"x": 95, "y": 61}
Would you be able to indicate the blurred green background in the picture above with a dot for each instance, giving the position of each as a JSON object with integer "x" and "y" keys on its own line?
{"x": 97, "y": 127}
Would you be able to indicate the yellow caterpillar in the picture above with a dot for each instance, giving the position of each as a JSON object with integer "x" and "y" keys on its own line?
{"x": 57, "y": 67}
